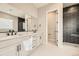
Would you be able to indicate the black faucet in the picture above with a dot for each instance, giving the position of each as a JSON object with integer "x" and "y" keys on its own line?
{"x": 12, "y": 32}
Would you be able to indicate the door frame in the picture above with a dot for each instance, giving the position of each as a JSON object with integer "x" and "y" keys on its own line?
{"x": 56, "y": 24}
{"x": 47, "y": 24}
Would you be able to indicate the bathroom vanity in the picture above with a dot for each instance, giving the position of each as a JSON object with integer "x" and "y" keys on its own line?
{"x": 26, "y": 39}
{"x": 15, "y": 46}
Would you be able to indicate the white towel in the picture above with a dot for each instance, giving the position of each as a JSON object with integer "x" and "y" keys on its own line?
{"x": 27, "y": 44}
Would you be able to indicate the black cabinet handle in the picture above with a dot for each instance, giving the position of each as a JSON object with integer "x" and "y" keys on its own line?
{"x": 19, "y": 47}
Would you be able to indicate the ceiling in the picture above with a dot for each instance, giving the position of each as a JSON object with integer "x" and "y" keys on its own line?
{"x": 36, "y": 5}
{"x": 68, "y": 4}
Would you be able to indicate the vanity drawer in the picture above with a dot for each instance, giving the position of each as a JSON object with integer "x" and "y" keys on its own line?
{"x": 9, "y": 51}
{"x": 6, "y": 43}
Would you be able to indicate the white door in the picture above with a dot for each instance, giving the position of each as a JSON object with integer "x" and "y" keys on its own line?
{"x": 52, "y": 26}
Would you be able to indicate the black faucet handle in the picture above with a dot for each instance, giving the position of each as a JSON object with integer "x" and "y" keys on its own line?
{"x": 13, "y": 31}
{"x": 9, "y": 30}
{"x": 8, "y": 34}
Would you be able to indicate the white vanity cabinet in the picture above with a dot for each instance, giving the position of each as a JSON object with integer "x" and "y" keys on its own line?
{"x": 25, "y": 46}
{"x": 32, "y": 43}
{"x": 8, "y": 51}
{"x": 36, "y": 41}
{"x": 11, "y": 46}
{"x": 22, "y": 45}
{"x": 8, "y": 47}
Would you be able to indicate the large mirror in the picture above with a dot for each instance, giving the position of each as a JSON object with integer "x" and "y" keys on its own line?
{"x": 5, "y": 24}
{"x": 16, "y": 23}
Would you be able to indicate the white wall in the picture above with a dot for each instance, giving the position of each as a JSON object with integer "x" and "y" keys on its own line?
{"x": 42, "y": 20}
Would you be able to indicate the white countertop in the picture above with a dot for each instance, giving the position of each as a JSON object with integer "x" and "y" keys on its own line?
{"x": 24, "y": 34}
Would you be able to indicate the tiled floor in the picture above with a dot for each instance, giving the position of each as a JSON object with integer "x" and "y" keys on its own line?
{"x": 53, "y": 50}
